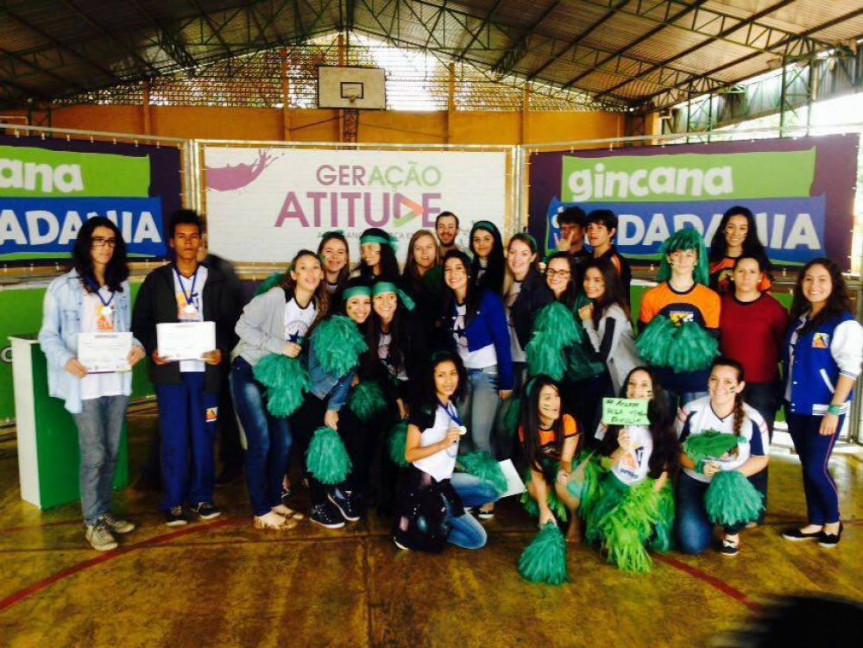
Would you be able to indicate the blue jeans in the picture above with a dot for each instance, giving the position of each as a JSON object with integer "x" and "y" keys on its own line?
{"x": 479, "y": 407}
{"x": 814, "y": 450}
{"x": 188, "y": 416}
{"x": 268, "y": 439}
{"x": 694, "y": 528}
{"x": 100, "y": 427}
{"x": 465, "y": 530}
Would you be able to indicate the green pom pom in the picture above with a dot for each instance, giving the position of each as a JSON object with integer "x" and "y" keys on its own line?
{"x": 731, "y": 499}
{"x": 367, "y": 400}
{"x": 482, "y": 465}
{"x": 709, "y": 445}
{"x": 683, "y": 348}
{"x": 626, "y": 528}
{"x": 655, "y": 341}
{"x": 398, "y": 443}
{"x": 272, "y": 281}
{"x": 327, "y": 459}
{"x": 663, "y": 532}
{"x": 337, "y": 344}
{"x": 544, "y": 560}
{"x": 555, "y": 332}
{"x": 286, "y": 381}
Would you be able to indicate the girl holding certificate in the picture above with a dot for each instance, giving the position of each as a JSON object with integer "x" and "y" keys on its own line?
{"x": 93, "y": 297}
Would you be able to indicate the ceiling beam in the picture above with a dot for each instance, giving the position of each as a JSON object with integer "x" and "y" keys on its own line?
{"x": 751, "y": 20}
{"x": 516, "y": 52}
{"x": 485, "y": 22}
{"x": 671, "y": 96}
{"x": 168, "y": 41}
{"x": 578, "y": 39}
{"x": 623, "y": 50}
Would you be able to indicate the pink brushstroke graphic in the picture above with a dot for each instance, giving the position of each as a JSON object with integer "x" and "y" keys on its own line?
{"x": 231, "y": 178}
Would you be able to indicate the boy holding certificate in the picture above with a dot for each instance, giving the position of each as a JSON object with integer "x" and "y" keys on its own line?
{"x": 92, "y": 302}
{"x": 180, "y": 296}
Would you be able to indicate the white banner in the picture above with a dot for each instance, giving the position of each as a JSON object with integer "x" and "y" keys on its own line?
{"x": 263, "y": 205}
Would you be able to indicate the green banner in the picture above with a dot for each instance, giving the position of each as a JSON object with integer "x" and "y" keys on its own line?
{"x": 688, "y": 177}
{"x": 27, "y": 172}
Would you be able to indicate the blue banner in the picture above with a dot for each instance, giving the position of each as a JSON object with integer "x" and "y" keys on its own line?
{"x": 47, "y": 227}
{"x": 792, "y": 229}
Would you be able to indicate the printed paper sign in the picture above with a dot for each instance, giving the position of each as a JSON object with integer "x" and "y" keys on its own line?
{"x": 625, "y": 411}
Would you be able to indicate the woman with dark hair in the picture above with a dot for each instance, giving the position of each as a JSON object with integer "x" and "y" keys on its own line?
{"x": 736, "y": 236}
{"x": 423, "y": 280}
{"x": 640, "y": 456}
{"x": 489, "y": 264}
{"x": 606, "y": 321}
{"x": 721, "y": 412}
{"x": 94, "y": 297}
{"x": 560, "y": 279}
{"x": 752, "y": 328}
{"x": 336, "y": 259}
{"x": 822, "y": 359}
{"x": 276, "y": 322}
{"x": 549, "y": 440}
{"x": 378, "y": 256}
{"x": 433, "y": 497}
{"x": 475, "y": 327}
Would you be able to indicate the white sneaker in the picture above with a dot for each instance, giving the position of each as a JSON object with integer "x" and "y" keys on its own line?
{"x": 100, "y": 537}
{"x": 117, "y": 525}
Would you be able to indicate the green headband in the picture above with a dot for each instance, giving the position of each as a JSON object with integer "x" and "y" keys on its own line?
{"x": 529, "y": 237}
{"x": 356, "y": 291}
{"x": 387, "y": 287}
{"x": 488, "y": 226}
{"x": 372, "y": 238}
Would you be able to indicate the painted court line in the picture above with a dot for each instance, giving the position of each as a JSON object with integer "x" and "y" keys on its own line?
{"x": 108, "y": 556}
{"x": 714, "y": 582}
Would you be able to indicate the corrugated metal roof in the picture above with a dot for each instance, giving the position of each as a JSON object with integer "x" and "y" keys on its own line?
{"x": 632, "y": 51}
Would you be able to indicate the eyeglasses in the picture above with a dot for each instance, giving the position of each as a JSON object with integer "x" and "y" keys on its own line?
{"x": 100, "y": 242}
{"x": 558, "y": 273}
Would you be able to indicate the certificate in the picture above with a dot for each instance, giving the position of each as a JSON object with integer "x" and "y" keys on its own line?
{"x": 185, "y": 340}
{"x": 104, "y": 352}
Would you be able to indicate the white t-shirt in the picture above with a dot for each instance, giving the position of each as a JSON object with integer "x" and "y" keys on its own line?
{"x": 98, "y": 318}
{"x": 384, "y": 343}
{"x": 633, "y": 467}
{"x": 441, "y": 464}
{"x": 477, "y": 359}
{"x": 298, "y": 320}
{"x": 697, "y": 417}
{"x": 188, "y": 292}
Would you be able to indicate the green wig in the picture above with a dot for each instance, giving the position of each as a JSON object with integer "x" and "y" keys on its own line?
{"x": 685, "y": 239}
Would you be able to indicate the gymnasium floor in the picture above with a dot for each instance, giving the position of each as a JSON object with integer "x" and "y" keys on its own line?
{"x": 225, "y": 584}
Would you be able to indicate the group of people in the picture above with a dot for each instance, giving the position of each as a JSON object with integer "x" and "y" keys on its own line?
{"x": 402, "y": 388}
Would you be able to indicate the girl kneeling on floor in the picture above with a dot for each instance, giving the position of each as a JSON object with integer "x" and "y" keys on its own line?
{"x": 632, "y": 509}
{"x": 431, "y": 503}
{"x": 549, "y": 440}
{"x": 720, "y": 414}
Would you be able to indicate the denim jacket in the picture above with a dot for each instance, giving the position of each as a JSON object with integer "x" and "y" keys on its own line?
{"x": 326, "y": 385}
{"x": 58, "y": 337}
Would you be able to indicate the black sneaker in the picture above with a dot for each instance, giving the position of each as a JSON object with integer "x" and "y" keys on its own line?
{"x": 729, "y": 548}
{"x": 830, "y": 540}
{"x": 344, "y": 504}
{"x": 176, "y": 517}
{"x": 207, "y": 511}
{"x": 286, "y": 494}
{"x": 326, "y": 516}
{"x": 796, "y": 535}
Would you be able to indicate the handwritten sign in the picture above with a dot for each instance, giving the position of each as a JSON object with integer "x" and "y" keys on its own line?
{"x": 625, "y": 411}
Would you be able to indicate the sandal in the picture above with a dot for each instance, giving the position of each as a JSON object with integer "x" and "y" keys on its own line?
{"x": 287, "y": 512}
{"x": 266, "y": 522}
